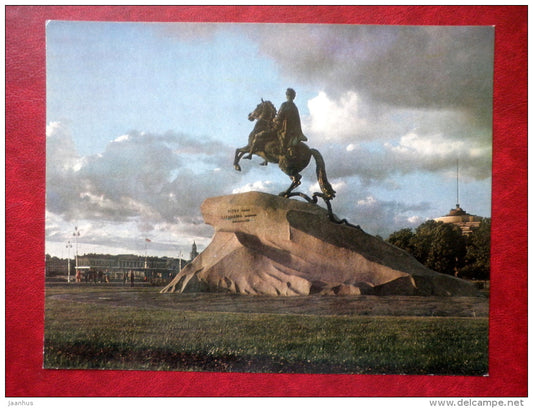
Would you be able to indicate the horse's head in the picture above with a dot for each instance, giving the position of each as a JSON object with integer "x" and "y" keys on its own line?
{"x": 265, "y": 110}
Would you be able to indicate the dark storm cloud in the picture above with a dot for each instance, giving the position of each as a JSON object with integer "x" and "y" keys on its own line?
{"x": 416, "y": 67}
{"x": 424, "y": 93}
{"x": 409, "y": 66}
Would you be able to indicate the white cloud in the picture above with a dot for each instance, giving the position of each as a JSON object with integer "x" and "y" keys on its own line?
{"x": 436, "y": 153}
{"x": 335, "y": 119}
{"x": 339, "y": 186}
{"x": 416, "y": 220}
{"x": 138, "y": 183}
{"x": 368, "y": 201}
{"x": 61, "y": 152}
{"x": 351, "y": 147}
{"x": 378, "y": 216}
{"x": 52, "y": 128}
{"x": 262, "y": 186}
{"x": 427, "y": 146}
{"x": 122, "y": 138}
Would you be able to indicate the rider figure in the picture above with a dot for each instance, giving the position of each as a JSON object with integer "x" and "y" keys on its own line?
{"x": 288, "y": 125}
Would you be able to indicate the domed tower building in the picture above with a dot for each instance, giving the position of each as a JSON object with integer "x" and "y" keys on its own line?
{"x": 461, "y": 218}
{"x": 458, "y": 216}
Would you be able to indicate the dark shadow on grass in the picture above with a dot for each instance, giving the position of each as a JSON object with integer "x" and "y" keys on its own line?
{"x": 83, "y": 355}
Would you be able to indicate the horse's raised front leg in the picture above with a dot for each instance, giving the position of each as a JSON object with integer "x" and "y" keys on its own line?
{"x": 251, "y": 147}
{"x": 238, "y": 155}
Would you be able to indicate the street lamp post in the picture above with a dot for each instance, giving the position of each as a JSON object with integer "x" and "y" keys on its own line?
{"x": 146, "y": 273}
{"x": 68, "y": 246}
{"x": 146, "y": 240}
{"x": 76, "y": 234}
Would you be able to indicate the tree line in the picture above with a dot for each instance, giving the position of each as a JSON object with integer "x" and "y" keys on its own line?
{"x": 443, "y": 248}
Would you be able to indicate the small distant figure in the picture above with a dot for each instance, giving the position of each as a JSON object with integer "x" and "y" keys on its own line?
{"x": 132, "y": 278}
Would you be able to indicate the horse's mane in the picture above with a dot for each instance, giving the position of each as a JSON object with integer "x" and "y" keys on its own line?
{"x": 272, "y": 109}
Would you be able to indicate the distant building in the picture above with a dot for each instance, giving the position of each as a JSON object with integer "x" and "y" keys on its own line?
{"x": 458, "y": 216}
{"x": 462, "y": 219}
{"x": 58, "y": 266}
{"x": 118, "y": 266}
{"x": 194, "y": 252}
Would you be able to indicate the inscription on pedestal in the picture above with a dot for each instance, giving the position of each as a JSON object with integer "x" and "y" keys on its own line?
{"x": 236, "y": 215}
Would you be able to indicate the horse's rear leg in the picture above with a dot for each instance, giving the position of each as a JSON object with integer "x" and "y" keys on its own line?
{"x": 295, "y": 183}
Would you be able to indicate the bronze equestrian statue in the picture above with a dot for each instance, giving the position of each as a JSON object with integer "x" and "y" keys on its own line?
{"x": 278, "y": 138}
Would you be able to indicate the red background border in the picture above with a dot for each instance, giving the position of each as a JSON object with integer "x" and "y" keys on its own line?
{"x": 25, "y": 201}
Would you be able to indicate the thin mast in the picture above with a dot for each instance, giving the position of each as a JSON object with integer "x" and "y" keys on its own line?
{"x": 458, "y": 183}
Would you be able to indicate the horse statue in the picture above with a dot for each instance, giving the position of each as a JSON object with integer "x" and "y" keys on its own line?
{"x": 264, "y": 142}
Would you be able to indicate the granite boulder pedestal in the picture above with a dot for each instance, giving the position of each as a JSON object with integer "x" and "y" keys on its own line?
{"x": 270, "y": 245}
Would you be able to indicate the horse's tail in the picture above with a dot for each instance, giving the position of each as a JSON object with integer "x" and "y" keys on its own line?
{"x": 326, "y": 188}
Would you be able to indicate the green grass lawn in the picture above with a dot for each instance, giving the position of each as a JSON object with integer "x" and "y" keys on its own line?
{"x": 94, "y": 335}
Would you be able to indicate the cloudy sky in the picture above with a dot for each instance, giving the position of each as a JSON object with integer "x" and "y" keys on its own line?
{"x": 143, "y": 120}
